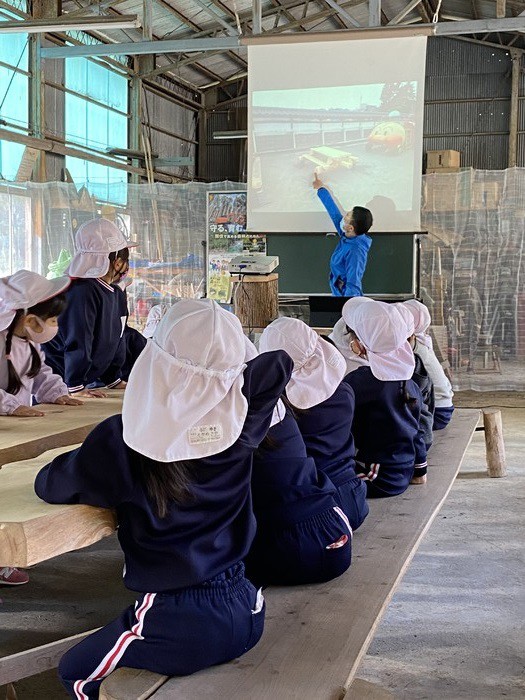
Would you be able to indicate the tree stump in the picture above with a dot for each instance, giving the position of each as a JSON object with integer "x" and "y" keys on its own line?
{"x": 496, "y": 461}
{"x": 255, "y": 300}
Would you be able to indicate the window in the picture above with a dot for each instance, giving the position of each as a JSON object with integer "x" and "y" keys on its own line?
{"x": 96, "y": 105}
{"x": 14, "y": 95}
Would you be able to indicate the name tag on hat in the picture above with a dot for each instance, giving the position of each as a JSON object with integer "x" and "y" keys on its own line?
{"x": 201, "y": 434}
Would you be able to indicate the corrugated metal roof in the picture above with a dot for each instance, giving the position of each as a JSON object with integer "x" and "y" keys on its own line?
{"x": 186, "y": 18}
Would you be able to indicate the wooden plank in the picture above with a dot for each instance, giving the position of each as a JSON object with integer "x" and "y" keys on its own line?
{"x": 131, "y": 683}
{"x": 23, "y": 438}
{"x": 32, "y": 531}
{"x": 37, "y": 660}
{"x": 315, "y": 636}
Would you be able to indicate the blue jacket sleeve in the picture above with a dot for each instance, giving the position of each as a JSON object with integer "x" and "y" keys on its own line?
{"x": 94, "y": 474}
{"x": 332, "y": 208}
{"x": 77, "y": 325}
{"x": 265, "y": 379}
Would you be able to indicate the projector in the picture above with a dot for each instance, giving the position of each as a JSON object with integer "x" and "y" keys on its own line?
{"x": 253, "y": 264}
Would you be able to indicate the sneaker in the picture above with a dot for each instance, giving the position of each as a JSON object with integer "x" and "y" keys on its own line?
{"x": 12, "y": 577}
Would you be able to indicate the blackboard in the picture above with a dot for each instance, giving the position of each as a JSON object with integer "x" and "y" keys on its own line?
{"x": 304, "y": 263}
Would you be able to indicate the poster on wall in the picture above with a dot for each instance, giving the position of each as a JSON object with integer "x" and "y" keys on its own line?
{"x": 227, "y": 237}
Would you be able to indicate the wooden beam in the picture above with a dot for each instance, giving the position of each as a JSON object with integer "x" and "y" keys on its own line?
{"x": 514, "y": 108}
{"x": 374, "y": 13}
{"x": 501, "y": 9}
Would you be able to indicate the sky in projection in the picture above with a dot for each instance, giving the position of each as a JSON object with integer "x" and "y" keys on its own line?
{"x": 320, "y": 98}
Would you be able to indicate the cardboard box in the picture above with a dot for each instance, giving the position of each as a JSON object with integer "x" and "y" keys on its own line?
{"x": 443, "y": 159}
{"x": 485, "y": 195}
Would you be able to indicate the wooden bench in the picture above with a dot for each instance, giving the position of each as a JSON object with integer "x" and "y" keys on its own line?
{"x": 23, "y": 438}
{"x": 316, "y": 636}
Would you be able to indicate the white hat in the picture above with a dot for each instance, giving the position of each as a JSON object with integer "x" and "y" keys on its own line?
{"x": 382, "y": 330}
{"x": 25, "y": 289}
{"x": 319, "y": 367}
{"x": 184, "y": 396}
{"x": 422, "y": 320}
{"x": 155, "y": 314}
{"x": 94, "y": 241}
{"x": 341, "y": 340}
{"x": 407, "y": 317}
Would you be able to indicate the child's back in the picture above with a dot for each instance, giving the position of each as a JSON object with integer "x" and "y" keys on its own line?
{"x": 302, "y": 534}
{"x": 385, "y": 430}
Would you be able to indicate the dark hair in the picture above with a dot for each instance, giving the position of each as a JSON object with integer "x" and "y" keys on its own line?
{"x": 269, "y": 442}
{"x": 44, "y": 310}
{"x": 167, "y": 482}
{"x": 121, "y": 254}
{"x": 362, "y": 220}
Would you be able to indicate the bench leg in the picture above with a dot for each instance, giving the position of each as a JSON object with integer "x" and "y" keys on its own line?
{"x": 496, "y": 461}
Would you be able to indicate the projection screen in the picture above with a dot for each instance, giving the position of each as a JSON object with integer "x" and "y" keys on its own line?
{"x": 352, "y": 111}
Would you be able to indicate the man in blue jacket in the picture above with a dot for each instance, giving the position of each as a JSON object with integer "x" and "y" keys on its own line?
{"x": 348, "y": 262}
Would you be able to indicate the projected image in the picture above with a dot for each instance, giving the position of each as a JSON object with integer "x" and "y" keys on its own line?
{"x": 359, "y": 140}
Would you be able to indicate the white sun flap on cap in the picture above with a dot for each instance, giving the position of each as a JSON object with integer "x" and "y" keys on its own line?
{"x": 25, "y": 289}
{"x": 184, "y": 397}
{"x": 341, "y": 339}
{"x": 319, "y": 367}
{"x": 174, "y": 411}
{"x": 279, "y": 412}
{"x": 94, "y": 241}
{"x": 382, "y": 330}
{"x": 422, "y": 321}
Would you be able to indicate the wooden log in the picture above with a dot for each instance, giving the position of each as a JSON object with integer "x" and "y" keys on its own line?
{"x": 23, "y": 438}
{"x": 495, "y": 446}
{"x": 255, "y": 300}
{"x": 32, "y": 531}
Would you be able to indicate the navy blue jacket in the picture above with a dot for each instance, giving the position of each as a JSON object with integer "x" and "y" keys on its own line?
{"x": 387, "y": 430}
{"x": 286, "y": 485}
{"x": 326, "y": 429}
{"x": 196, "y": 540}
{"x": 89, "y": 345}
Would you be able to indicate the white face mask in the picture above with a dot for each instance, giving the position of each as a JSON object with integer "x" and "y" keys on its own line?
{"x": 46, "y": 334}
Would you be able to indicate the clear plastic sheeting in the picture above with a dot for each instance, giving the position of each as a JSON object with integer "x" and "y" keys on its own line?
{"x": 471, "y": 259}
{"x": 38, "y": 222}
{"x": 471, "y": 275}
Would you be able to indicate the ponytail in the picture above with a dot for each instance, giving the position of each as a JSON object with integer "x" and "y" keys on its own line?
{"x": 44, "y": 310}
{"x": 410, "y": 400}
{"x": 167, "y": 482}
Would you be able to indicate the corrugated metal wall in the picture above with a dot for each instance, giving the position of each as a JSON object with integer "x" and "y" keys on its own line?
{"x": 467, "y": 99}
{"x": 226, "y": 160}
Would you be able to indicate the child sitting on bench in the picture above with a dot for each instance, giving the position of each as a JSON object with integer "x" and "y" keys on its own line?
{"x": 302, "y": 535}
{"x": 324, "y": 406}
{"x": 391, "y": 450}
{"x": 423, "y": 347}
{"x": 176, "y": 466}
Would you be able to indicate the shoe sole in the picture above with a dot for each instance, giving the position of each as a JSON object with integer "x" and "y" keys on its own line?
{"x": 17, "y": 583}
